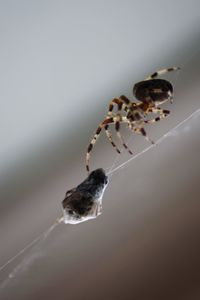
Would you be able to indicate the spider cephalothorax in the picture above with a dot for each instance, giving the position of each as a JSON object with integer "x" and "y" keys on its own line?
{"x": 150, "y": 93}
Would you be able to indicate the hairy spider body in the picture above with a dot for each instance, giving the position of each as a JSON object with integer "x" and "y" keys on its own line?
{"x": 150, "y": 93}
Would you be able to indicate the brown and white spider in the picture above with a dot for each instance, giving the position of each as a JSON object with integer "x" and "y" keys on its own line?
{"x": 150, "y": 93}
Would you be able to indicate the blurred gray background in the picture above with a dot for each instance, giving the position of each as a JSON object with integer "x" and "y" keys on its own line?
{"x": 60, "y": 64}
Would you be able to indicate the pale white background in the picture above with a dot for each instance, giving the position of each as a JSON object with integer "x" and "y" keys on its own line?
{"x": 60, "y": 64}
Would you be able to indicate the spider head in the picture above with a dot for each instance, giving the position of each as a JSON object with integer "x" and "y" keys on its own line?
{"x": 156, "y": 91}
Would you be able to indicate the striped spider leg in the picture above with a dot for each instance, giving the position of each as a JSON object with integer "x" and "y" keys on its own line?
{"x": 117, "y": 119}
{"x": 163, "y": 113}
{"x": 162, "y": 72}
{"x": 123, "y": 104}
{"x": 138, "y": 127}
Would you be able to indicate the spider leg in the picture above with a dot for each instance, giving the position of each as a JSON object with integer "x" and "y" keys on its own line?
{"x": 123, "y": 103}
{"x": 96, "y": 135}
{"x": 162, "y": 112}
{"x": 136, "y": 121}
{"x": 114, "y": 101}
{"x": 109, "y": 136}
{"x": 141, "y": 130}
{"x": 117, "y": 128}
{"x": 162, "y": 72}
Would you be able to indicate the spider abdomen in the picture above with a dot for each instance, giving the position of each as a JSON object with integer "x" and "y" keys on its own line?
{"x": 157, "y": 90}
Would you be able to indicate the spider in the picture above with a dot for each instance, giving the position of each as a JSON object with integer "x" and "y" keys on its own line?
{"x": 150, "y": 93}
